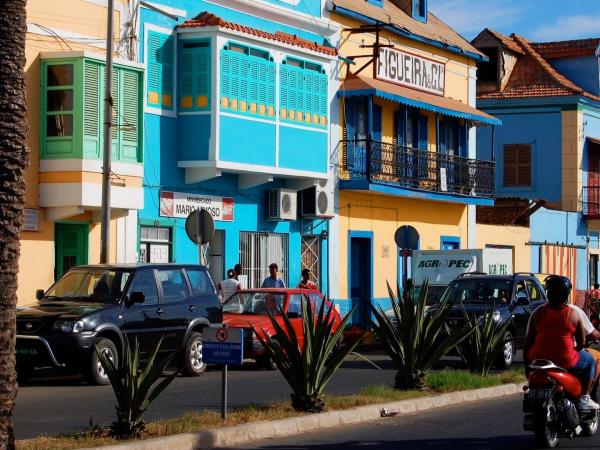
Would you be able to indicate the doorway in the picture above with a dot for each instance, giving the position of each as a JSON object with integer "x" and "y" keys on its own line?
{"x": 360, "y": 282}
{"x": 216, "y": 250}
{"x": 71, "y": 247}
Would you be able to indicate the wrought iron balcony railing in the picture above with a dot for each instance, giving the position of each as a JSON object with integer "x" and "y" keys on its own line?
{"x": 412, "y": 168}
{"x": 590, "y": 198}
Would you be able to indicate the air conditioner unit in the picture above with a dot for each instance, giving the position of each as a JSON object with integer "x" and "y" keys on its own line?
{"x": 317, "y": 201}
{"x": 281, "y": 204}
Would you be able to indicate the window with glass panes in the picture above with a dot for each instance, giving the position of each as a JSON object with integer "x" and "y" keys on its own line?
{"x": 156, "y": 244}
{"x": 59, "y": 100}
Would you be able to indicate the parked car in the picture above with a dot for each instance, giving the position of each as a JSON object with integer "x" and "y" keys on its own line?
{"x": 508, "y": 297}
{"x": 103, "y": 305}
{"x": 247, "y": 309}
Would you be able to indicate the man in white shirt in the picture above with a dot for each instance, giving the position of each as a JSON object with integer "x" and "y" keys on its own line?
{"x": 228, "y": 287}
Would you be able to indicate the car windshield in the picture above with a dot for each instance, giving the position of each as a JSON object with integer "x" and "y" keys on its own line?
{"x": 478, "y": 291}
{"x": 93, "y": 285}
{"x": 254, "y": 303}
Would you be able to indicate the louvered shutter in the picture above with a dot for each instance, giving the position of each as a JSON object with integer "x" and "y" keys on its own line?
{"x": 462, "y": 140}
{"x": 153, "y": 71}
{"x": 202, "y": 78}
{"x": 443, "y": 136}
{"x": 225, "y": 77}
{"x": 524, "y": 165}
{"x": 166, "y": 59}
{"x": 253, "y": 84}
{"x": 323, "y": 100}
{"x": 160, "y": 53}
{"x": 510, "y": 165}
{"x": 130, "y": 120}
{"x": 284, "y": 103}
{"x": 271, "y": 86}
{"x": 186, "y": 94}
{"x": 91, "y": 108}
{"x": 117, "y": 108}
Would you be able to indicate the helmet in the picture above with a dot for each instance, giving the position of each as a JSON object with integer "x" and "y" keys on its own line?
{"x": 558, "y": 288}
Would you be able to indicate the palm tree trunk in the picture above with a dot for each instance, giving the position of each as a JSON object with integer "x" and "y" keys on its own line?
{"x": 13, "y": 162}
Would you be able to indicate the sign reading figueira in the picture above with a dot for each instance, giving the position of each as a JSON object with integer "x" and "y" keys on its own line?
{"x": 181, "y": 204}
{"x": 411, "y": 70}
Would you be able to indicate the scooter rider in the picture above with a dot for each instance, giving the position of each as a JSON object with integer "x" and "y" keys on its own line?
{"x": 550, "y": 335}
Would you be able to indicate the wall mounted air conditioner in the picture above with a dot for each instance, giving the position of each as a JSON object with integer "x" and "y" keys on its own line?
{"x": 281, "y": 204}
{"x": 317, "y": 201}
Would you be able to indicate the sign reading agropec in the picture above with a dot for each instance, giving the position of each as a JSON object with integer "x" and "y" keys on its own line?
{"x": 181, "y": 204}
{"x": 411, "y": 70}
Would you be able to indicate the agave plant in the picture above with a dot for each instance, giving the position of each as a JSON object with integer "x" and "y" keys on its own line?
{"x": 413, "y": 339}
{"x": 309, "y": 367}
{"x": 135, "y": 389}
{"x": 483, "y": 347}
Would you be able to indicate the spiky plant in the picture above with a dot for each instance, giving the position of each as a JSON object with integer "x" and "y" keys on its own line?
{"x": 309, "y": 367}
{"x": 482, "y": 348}
{"x": 413, "y": 339}
{"x": 135, "y": 389}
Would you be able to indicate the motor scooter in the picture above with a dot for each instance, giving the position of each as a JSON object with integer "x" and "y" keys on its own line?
{"x": 549, "y": 403}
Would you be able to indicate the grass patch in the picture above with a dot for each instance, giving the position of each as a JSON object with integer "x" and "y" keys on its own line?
{"x": 439, "y": 382}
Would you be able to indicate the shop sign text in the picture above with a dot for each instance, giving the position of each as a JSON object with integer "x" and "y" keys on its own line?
{"x": 411, "y": 70}
{"x": 181, "y": 204}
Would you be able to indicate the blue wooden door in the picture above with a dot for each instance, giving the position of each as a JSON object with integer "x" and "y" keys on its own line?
{"x": 360, "y": 280}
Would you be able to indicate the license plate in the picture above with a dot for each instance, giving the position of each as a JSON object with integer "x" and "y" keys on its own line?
{"x": 27, "y": 351}
{"x": 540, "y": 394}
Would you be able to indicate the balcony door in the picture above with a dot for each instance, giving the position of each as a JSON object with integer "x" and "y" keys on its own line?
{"x": 593, "y": 185}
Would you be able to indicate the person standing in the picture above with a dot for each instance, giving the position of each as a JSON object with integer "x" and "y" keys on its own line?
{"x": 273, "y": 281}
{"x": 228, "y": 287}
{"x": 305, "y": 282}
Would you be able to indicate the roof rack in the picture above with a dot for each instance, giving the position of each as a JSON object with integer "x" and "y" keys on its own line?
{"x": 467, "y": 274}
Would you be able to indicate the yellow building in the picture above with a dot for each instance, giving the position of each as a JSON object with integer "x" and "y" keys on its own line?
{"x": 65, "y": 52}
{"x": 405, "y": 144}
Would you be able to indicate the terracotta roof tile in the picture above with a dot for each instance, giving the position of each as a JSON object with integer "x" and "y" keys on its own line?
{"x": 506, "y": 41}
{"x": 206, "y": 19}
{"x": 567, "y": 49}
{"x": 390, "y": 13}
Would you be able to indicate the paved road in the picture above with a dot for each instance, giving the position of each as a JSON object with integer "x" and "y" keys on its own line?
{"x": 480, "y": 426}
{"x": 58, "y": 405}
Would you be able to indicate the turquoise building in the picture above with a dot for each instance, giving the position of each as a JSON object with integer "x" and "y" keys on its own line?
{"x": 236, "y": 113}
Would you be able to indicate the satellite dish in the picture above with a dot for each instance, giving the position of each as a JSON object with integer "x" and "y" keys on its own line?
{"x": 200, "y": 226}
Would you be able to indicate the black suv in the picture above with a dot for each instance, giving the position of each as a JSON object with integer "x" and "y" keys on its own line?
{"x": 508, "y": 296}
{"x": 104, "y": 304}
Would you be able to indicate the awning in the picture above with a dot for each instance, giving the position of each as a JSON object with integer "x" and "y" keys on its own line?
{"x": 400, "y": 94}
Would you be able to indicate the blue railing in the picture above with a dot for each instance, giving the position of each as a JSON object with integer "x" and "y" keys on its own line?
{"x": 412, "y": 168}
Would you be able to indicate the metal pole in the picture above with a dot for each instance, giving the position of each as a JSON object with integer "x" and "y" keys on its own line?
{"x": 105, "y": 225}
{"x": 224, "y": 392}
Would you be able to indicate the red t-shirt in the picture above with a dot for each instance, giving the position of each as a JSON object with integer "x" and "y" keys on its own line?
{"x": 309, "y": 285}
{"x": 554, "y": 337}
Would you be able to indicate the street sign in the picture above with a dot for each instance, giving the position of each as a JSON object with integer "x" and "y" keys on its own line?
{"x": 223, "y": 346}
{"x": 200, "y": 226}
{"x": 407, "y": 237}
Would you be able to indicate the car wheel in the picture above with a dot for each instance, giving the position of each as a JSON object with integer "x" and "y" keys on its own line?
{"x": 507, "y": 354}
{"x": 97, "y": 374}
{"x": 194, "y": 365}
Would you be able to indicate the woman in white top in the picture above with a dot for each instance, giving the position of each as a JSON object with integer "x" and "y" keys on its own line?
{"x": 228, "y": 287}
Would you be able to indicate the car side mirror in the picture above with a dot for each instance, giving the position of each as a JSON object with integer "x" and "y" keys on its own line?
{"x": 39, "y": 294}
{"x": 136, "y": 297}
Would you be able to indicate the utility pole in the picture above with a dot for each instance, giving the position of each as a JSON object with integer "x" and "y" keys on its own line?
{"x": 106, "y": 170}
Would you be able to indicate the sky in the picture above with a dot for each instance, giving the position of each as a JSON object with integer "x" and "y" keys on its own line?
{"x": 537, "y": 20}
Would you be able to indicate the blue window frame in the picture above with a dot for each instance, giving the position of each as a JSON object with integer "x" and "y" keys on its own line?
{"x": 419, "y": 10}
{"x": 449, "y": 242}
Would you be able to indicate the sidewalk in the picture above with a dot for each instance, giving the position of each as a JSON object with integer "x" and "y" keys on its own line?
{"x": 240, "y": 434}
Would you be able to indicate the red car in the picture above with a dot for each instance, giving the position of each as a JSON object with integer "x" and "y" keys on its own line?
{"x": 248, "y": 308}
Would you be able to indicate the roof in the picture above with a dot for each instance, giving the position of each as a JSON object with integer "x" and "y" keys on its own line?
{"x": 567, "y": 49}
{"x": 434, "y": 29}
{"x": 207, "y": 19}
{"x": 400, "y": 94}
{"x": 533, "y": 75}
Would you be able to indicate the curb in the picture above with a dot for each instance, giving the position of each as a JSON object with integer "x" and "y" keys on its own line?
{"x": 253, "y": 431}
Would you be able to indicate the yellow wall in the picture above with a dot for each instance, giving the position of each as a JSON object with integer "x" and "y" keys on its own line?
{"x": 383, "y": 215}
{"x": 457, "y": 67}
{"x": 572, "y": 159}
{"x": 88, "y": 20}
{"x": 508, "y": 235}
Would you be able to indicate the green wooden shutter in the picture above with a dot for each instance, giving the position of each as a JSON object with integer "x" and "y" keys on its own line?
{"x": 130, "y": 116}
{"x": 186, "y": 93}
{"x": 202, "y": 78}
{"x": 92, "y": 101}
{"x": 195, "y": 78}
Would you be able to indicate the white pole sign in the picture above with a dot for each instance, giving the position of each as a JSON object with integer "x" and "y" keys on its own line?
{"x": 411, "y": 70}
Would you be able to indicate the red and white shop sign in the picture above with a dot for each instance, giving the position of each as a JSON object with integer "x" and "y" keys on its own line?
{"x": 181, "y": 204}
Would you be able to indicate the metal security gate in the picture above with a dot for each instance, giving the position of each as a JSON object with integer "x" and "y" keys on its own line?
{"x": 258, "y": 250}
{"x": 311, "y": 256}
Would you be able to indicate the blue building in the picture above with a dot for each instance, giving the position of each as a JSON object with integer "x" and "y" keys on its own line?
{"x": 548, "y": 150}
{"x": 237, "y": 115}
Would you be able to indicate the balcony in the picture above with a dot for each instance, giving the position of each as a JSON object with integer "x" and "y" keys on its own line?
{"x": 398, "y": 170}
{"x": 590, "y": 198}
